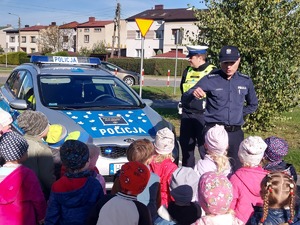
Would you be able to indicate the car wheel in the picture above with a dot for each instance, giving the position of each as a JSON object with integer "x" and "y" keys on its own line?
{"x": 129, "y": 80}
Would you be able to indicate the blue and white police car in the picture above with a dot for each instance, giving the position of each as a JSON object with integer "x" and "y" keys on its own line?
{"x": 77, "y": 93}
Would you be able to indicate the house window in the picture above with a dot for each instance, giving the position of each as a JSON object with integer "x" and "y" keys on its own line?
{"x": 86, "y": 30}
{"x": 97, "y": 29}
{"x": 12, "y": 49}
{"x": 86, "y": 38}
{"x": 65, "y": 38}
{"x": 177, "y": 36}
{"x": 23, "y": 39}
{"x": 33, "y": 39}
{"x": 159, "y": 34}
{"x": 12, "y": 39}
{"x": 138, "y": 52}
{"x": 32, "y": 50}
{"x": 138, "y": 34}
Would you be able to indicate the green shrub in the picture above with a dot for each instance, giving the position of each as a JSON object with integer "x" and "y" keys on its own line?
{"x": 13, "y": 58}
{"x": 158, "y": 67}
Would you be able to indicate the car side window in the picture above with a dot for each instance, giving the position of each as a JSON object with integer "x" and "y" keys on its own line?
{"x": 21, "y": 85}
{"x": 14, "y": 82}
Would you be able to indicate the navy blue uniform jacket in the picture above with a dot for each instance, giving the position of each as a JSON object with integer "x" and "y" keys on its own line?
{"x": 228, "y": 101}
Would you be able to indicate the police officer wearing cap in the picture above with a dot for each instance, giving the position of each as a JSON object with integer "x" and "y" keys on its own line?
{"x": 230, "y": 96}
{"x": 192, "y": 118}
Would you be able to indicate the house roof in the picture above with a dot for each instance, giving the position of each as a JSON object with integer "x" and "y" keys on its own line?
{"x": 34, "y": 28}
{"x": 94, "y": 23}
{"x": 168, "y": 15}
{"x": 70, "y": 25}
{"x": 171, "y": 54}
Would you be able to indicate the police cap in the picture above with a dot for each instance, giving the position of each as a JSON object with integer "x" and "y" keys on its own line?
{"x": 229, "y": 54}
{"x": 196, "y": 50}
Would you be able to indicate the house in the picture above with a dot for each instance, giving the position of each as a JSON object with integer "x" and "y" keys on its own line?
{"x": 68, "y": 32}
{"x": 3, "y": 39}
{"x": 164, "y": 32}
{"x": 95, "y": 32}
{"x": 29, "y": 37}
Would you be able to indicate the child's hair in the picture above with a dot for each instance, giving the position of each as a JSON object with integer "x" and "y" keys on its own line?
{"x": 278, "y": 190}
{"x": 222, "y": 162}
{"x": 140, "y": 150}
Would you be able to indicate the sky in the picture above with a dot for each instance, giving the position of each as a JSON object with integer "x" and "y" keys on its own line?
{"x": 43, "y": 12}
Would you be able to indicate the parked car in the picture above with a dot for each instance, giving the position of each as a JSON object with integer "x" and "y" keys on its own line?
{"x": 80, "y": 95}
{"x": 129, "y": 77}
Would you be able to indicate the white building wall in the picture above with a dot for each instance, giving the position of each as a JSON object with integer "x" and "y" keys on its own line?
{"x": 28, "y": 46}
{"x": 169, "y": 41}
{"x": 12, "y": 46}
{"x": 150, "y": 43}
{"x": 3, "y": 39}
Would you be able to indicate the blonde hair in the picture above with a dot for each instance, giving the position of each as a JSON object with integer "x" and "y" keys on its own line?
{"x": 222, "y": 161}
{"x": 161, "y": 157}
{"x": 278, "y": 190}
{"x": 140, "y": 150}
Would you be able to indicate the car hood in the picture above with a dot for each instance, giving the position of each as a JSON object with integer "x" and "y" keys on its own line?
{"x": 113, "y": 123}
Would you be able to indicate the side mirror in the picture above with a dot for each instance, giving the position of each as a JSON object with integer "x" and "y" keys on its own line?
{"x": 19, "y": 104}
{"x": 148, "y": 102}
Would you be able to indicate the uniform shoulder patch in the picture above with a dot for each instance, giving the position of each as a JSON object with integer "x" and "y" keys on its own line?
{"x": 212, "y": 75}
{"x": 244, "y": 75}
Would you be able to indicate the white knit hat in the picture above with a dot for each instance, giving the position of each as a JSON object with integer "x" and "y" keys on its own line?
{"x": 216, "y": 140}
{"x": 5, "y": 118}
{"x": 251, "y": 150}
{"x": 164, "y": 141}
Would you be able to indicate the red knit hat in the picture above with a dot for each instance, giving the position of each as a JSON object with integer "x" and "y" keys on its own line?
{"x": 134, "y": 177}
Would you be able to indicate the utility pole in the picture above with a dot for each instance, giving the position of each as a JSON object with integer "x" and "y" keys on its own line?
{"x": 119, "y": 28}
{"x": 116, "y": 24}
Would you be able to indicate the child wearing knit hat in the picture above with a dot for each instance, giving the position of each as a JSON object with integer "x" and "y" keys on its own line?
{"x": 40, "y": 158}
{"x": 162, "y": 163}
{"x": 142, "y": 150}
{"x": 20, "y": 188}
{"x": 183, "y": 187}
{"x": 75, "y": 194}
{"x": 277, "y": 148}
{"x": 123, "y": 208}
{"x": 246, "y": 180}
{"x": 5, "y": 121}
{"x": 215, "y": 195}
{"x": 216, "y": 145}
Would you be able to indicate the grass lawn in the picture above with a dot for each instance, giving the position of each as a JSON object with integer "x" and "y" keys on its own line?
{"x": 286, "y": 127}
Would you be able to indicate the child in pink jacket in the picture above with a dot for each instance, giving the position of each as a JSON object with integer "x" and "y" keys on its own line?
{"x": 22, "y": 201}
{"x": 246, "y": 180}
{"x": 162, "y": 163}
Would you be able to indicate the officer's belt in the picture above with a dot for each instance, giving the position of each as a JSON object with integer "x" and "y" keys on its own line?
{"x": 228, "y": 128}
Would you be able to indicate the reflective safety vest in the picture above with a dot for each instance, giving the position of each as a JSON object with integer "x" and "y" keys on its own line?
{"x": 192, "y": 77}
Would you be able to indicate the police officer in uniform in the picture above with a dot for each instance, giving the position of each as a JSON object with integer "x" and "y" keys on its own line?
{"x": 192, "y": 118}
{"x": 230, "y": 96}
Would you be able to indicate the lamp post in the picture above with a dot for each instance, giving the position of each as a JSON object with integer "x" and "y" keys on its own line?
{"x": 19, "y": 25}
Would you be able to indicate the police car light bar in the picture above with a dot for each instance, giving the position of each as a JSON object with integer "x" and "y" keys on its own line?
{"x": 65, "y": 60}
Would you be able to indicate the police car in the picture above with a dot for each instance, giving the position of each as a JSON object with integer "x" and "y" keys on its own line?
{"x": 77, "y": 93}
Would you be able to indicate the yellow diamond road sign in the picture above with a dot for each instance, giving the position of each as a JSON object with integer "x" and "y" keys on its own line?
{"x": 144, "y": 25}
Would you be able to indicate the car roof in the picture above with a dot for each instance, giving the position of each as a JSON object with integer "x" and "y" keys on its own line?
{"x": 55, "y": 66}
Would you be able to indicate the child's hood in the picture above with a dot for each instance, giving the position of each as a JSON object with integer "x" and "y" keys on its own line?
{"x": 251, "y": 177}
{"x": 80, "y": 197}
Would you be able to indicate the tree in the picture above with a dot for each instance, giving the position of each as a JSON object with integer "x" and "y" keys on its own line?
{"x": 99, "y": 48}
{"x": 267, "y": 34}
{"x": 50, "y": 40}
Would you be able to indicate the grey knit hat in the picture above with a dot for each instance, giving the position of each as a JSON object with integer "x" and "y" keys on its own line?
{"x": 33, "y": 122}
{"x": 12, "y": 146}
{"x": 184, "y": 184}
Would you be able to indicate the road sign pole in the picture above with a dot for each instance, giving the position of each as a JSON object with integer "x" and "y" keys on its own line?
{"x": 142, "y": 66}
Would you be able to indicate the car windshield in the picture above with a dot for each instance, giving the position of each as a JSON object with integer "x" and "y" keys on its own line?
{"x": 77, "y": 92}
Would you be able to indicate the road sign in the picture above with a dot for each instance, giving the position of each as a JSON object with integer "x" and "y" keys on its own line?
{"x": 144, "y": 25}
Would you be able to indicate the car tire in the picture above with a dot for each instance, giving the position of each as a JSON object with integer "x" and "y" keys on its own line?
{"x": 129, "y": 80}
